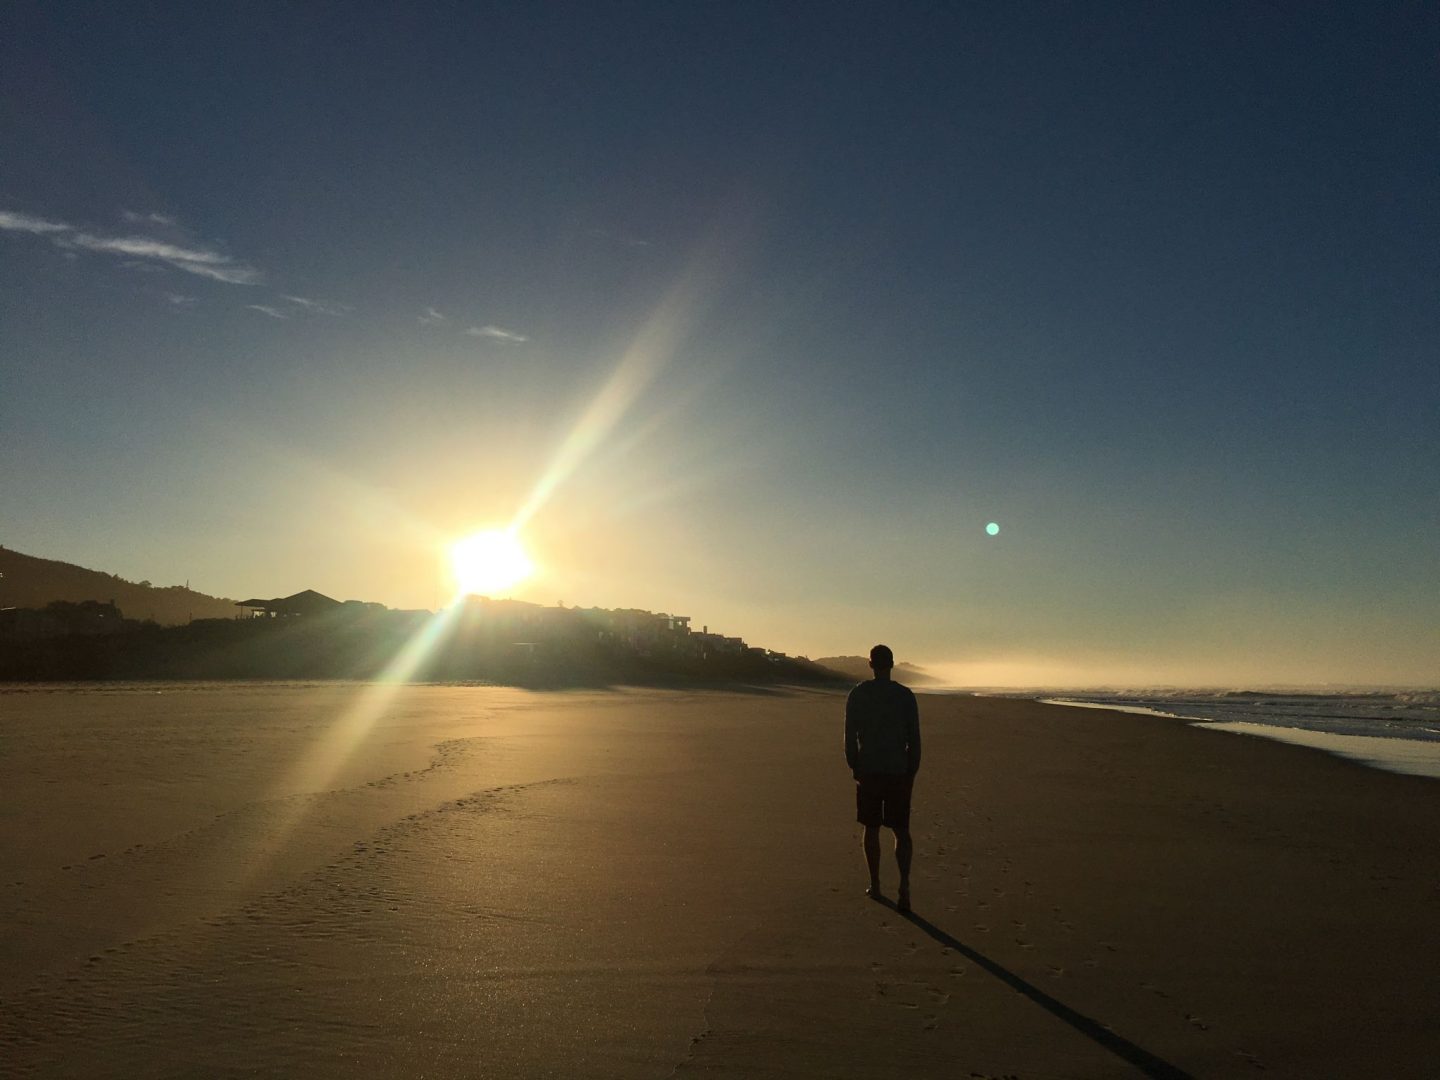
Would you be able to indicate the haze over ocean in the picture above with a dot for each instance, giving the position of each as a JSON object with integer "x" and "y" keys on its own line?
{"x": 1059, "y": 346}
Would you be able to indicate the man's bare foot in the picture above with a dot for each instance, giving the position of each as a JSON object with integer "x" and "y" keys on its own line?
{"x": 902, "y": 901}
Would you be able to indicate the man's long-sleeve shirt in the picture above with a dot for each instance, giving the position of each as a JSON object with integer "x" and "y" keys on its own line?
{"x": 882, "y": 729}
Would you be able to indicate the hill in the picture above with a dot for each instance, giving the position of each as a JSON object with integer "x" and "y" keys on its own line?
{"x": 30, "y": 582}
{"x": 60, "y": 622}
{"x": 858, "y": 668}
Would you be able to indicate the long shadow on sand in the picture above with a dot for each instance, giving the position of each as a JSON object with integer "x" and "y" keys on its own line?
{"x": 1137, "y": 1056}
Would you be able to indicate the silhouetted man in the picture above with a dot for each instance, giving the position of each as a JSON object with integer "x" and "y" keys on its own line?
{"x": 882, "y": 748}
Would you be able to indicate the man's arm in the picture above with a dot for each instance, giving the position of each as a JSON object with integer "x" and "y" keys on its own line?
{"x": 852, "y": 733}
{"x": 912, "y": 736}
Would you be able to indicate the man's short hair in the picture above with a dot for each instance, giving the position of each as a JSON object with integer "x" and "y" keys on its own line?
{"x": 881, "y": 656}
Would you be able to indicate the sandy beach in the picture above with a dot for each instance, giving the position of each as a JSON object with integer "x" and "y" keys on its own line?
{"x": 350, "y": 880}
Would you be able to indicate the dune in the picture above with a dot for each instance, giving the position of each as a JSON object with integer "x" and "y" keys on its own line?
{"x": 346, "y": 880}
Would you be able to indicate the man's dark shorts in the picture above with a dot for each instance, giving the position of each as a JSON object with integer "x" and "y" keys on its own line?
{"x": 883, "y": 799}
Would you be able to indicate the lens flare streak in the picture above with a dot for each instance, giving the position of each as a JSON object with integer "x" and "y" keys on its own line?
{"x": 315, "y": 771}
{"x": 647, "y": 357}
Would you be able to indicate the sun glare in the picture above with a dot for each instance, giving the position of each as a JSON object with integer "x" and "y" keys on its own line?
{"x": 489, "y": 562}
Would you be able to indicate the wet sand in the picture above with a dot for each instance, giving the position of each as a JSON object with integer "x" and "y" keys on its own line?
{"x": 329, "y": 880}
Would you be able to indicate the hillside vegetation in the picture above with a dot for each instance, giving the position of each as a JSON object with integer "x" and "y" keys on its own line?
{"x": 30, "y": 582}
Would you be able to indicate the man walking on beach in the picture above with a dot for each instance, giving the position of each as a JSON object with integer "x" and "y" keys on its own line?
{"x": 882, "y": 748}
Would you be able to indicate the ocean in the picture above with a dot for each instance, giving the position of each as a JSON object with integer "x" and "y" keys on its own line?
{"x": 1396, "y": 730}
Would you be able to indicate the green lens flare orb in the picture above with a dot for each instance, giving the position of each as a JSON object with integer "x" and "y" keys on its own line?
{"x": 993, "y": 529}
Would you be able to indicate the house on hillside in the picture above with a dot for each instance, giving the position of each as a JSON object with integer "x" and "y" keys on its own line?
{"x": 644, "y": 632}
{"x": 708, "y": 645}
{"x": 298, "y": 605}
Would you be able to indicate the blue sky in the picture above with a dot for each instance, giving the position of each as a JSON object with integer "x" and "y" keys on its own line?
{"x": 779, "y": 304}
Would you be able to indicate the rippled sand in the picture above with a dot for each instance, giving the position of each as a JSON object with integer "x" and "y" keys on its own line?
{"x": 288, "y": 880}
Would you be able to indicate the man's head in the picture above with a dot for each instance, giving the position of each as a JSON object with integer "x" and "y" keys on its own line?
{"x": 881, "y": 661}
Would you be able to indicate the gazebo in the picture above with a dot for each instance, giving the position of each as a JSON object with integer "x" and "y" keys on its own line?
{"x": 308, "y": 602}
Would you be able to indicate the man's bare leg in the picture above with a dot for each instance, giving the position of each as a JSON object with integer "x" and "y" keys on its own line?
{"x": 904, "y": 848}
{"x": 871, "y": 843}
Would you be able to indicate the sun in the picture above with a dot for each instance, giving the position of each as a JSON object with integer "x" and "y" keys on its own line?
{"x": 489, "y": 562}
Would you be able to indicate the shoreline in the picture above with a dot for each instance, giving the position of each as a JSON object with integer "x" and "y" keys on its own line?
{"x": 1387, "y": 753}
{"x": 1392, "y": 753}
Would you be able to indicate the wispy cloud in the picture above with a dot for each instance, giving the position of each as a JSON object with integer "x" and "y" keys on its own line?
{"x": 192, "y": 258}
{"x": 266, "y": 309}
{"x": 320, "y": 307}
{"x": 149, "y": 219}
{"x": 497, "y": 333}
{"x": 432, "y": 318}
{"x": 25, "y": 223}
{"x": 179, "y": 301}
